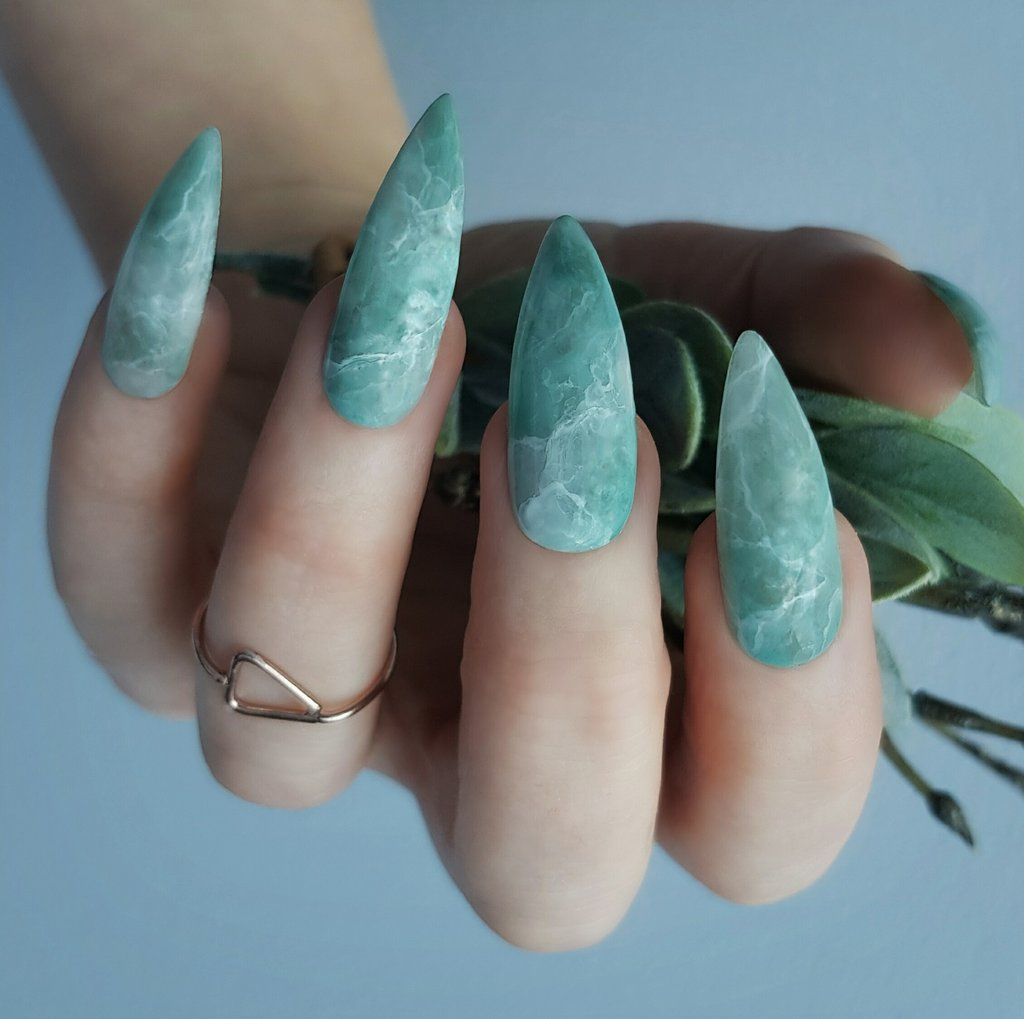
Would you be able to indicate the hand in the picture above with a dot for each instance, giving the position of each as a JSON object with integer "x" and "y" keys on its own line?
{"x": 544, "y": 775}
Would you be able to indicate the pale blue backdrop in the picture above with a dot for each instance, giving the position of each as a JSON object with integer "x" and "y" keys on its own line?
{"x": 134, "y": 886}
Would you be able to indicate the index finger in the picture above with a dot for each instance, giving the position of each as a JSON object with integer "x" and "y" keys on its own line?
{"x": 839, "y": 309}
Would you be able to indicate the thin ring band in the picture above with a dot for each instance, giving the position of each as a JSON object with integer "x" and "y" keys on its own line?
{"x": 311, "y": 710}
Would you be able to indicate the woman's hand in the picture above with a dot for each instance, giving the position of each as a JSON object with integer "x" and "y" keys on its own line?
{"x": 547, "y": 772}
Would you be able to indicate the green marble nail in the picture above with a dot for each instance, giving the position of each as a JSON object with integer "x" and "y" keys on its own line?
{"x": 986, "y": 353}
{"x": 571, "y": 420}
{"x": 400, "y": 279}
{"x": 778, "y": 554}
{"x": 160, "y": 291}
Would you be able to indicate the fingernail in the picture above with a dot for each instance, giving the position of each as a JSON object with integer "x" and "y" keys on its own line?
{"x": 571, "y": 420}
{"x": 986, "y": 353}
{"x": 778, "y": 553}
{"x": 160, "y": 290}
{"x": 399, "y": 282}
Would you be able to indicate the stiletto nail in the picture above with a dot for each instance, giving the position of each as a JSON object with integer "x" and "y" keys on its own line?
{"x": 986, "y": 353}
{"x": 571, "y": 420}
{"x": 161, "y": 286}
{"x": 399, "y": 282}
{"x": 778, "y": 553}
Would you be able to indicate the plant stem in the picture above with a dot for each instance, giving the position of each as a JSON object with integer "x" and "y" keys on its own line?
{"x": 964, "y": 592}
{"x": 941, "y": 804}
{"x": 930, "y": 708}
{"x": 1002, "y": 768}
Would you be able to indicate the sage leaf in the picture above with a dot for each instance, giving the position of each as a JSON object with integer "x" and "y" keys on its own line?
{"x": 474, "y": 415}
{"x": 448, "y": 438}
{"x": 703, "y": 337}
{"x": 670, "y": 579}
{"x": 667, "y": 392}
{"x": 994, "y": 436}
{"x": 492, "y": 310}
{"x": 675, "y": 534}
{"x": 986, "y": 354}
{"x": 626, "y": 294}
{"x": 986, "y": 442}
{"x": 954, "y": 501}
{"x": 897, "y": 703}
{"x": 682, "y": 494}
{"x": 899, "y": 560}
{"x": 490, "y": 314}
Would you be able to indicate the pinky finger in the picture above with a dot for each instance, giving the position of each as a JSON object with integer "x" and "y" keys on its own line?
{"x": 127, "y": 441}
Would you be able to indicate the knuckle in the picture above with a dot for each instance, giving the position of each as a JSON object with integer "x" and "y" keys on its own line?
{"x": 605, "y": 685}
{"x": 301, "y": 535}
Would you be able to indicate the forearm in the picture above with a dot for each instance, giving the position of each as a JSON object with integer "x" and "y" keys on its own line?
{"x": 113, "y": 90}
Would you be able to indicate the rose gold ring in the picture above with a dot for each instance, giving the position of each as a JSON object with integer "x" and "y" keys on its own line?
{"x": 311, "y": 709}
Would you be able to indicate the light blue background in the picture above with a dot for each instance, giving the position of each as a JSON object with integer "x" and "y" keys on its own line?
{"x": 132, "y": 885}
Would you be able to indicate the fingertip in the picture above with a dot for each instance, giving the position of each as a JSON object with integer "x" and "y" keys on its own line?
{"x": 919, "y": 357}
{"x": 845, "y": 314}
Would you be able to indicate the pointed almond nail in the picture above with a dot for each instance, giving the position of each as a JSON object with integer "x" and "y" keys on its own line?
{"x": 778, "y": 552}
{"x": 572, "y": 423}
{"x": 399, "y": 283}
{"x": 161, "y": 286}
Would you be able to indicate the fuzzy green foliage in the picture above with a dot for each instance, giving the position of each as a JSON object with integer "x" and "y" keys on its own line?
{"x": 938, "y": 503}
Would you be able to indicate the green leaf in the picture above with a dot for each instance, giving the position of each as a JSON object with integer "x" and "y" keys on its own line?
{"x": 986, "y": 354}
{"x": 899, "y": 560}
{"x": 952, "y": 500}
{"x": 703, "y": 337}
{"x": 994, "y": 436}
{"x": 667, "y": 391}
{"x": 473, "y": 418}
{"x": 675, "y": 534}
{"x": 626, "y": 294}
{"x": 493, "y": 308}
{"x": 897, "y": 706}
{"x": 961, "y": 486}
{"x": 490, "y": 313}
{"x": 448, "y": 438}
{"x": 670, "y": 578}
{"x": 684, "y": 494}
{"x": 282, "y": 275}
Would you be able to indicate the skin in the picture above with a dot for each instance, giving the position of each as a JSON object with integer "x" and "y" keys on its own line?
{"x": 540, "y": 723}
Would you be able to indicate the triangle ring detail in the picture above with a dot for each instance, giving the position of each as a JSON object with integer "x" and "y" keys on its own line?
{"x": 308, "y": 708}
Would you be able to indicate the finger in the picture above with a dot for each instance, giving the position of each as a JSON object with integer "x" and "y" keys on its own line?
{"x": 781, "y": 715}
{"x": 839, "y": 308}
{"x": 311, "y": 572}
{"x": 125, "y": 553}
{"x": 565, "y": 677}
{"x": 316, "y": 551}
{"x": 565, "y": 671}
{"x": 126, "y": 556}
